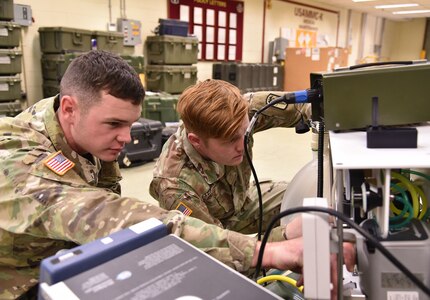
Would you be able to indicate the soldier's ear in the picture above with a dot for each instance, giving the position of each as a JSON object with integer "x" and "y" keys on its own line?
{"x": 194, "y": 140}
{"x": 68, "y": 108}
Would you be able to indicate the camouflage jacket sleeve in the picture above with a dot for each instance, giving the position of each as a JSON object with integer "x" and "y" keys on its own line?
{"x": 234, "y": 249}
{"x": 38, "y": 208}
{"x": 175, "y": 194}
{"x": 279, "y": 115}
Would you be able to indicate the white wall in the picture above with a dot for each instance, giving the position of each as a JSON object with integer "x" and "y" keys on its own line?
{"x": 281, "y": 15}
{"x": 402, "y": 40}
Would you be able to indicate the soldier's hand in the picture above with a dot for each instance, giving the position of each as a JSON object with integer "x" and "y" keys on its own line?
{"x": 285, "y": 255}
{"x": 294, "y": 228}
{"x": 288, "y": 255}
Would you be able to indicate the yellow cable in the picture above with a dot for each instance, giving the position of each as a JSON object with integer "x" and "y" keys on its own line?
{"x": 411, "y": 189}
{"x": 423, "y": 202}
{"x": 280, "y": 278}
{"x": 422, "y": 210}
{"x": 392, "y": 206}
{"x": 396, "y": 210}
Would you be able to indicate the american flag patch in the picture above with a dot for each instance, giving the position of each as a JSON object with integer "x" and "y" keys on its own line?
{"x": 58, "y": 163}
{"x": 184, "y": 209}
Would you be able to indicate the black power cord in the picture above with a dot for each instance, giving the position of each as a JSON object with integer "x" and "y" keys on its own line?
{"x": 345, "y": 219}
{"x": 257, "y": 183}
{"x": 288, "y": 98}
{"x": 320, "y": 170}
{"x": 254, "y": 173}
{"x": 260, "y": 197}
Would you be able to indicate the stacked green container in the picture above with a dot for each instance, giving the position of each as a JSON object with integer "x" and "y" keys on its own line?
{"x": 170, "y": 78}
{"x": 137, "y": 62}
{"x": 64, "y": 40}
{"x": 171, "y": 50}
{"x": 10, "y": 61}
{"x": 169, "y": 71}
{"x": 59, "y": 46}
{"x": 6, "y": 10}
{"x": 10, "y": 88}
{"x": 170, "y": 63}
{"x": 11, "y": 34}
{"x": 109, "y": 41}
{"x": 54, "y": 65}
{"x": 161, "y": 107}
{"x": 11, "y": 102}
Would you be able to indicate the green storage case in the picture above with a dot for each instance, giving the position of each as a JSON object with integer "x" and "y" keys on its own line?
{"x": 50, "y": 88}
{"x": 10, "y": 108}
{"x": 6, "y": 10}
{"x": 171, "y": 50}
{"x": 161, "y": 107}
{"x": 137, "y": 62}
{"x": 10, "y": 34}
{"x": 64, "y": 40}
{"x": 169, "y": 79}
{"x": 109, "y": 41}
{"x": 54, "y": 65}
{"x": 10, "y": 61}
{"x": 10, "y": 88}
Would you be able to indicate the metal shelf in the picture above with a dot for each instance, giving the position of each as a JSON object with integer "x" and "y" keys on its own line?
{"x": 349, "y": 151}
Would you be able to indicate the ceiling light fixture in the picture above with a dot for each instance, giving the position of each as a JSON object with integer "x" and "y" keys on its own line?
{"x": 404, "y": 12}
{"x": 362, "y": 0}
{"x": 396, "y": 5}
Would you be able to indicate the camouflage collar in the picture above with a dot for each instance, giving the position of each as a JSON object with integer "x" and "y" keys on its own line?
{"x": 83, "y": 167}
{"x": 209, "y": 170}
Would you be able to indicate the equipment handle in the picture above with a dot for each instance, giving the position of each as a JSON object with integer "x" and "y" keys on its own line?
{"x": 77, "y": 38}
{"x": 382, "y": 63}
{"x": 112, "y": 40}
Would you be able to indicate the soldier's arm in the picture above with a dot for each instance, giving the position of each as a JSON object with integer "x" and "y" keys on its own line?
{"x": 64, "y": 208}
{"x": 280, "y": 115}
{"x": 181, "y": 196}
{"x": 40, "y": 205}
{"x": 45, "y": 209}
{"x": 82, "y": 214}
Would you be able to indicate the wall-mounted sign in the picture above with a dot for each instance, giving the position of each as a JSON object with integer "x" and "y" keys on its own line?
{"x": 218, "y": 24}
{"x": 311, "y": 26}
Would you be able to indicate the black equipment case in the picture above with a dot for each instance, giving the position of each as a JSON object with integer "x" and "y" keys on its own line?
{"x": 145, "y": 143}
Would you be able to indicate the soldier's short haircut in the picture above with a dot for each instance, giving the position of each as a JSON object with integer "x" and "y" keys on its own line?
{"x": 212, "y": 109}
{"x": 95, "y": 71}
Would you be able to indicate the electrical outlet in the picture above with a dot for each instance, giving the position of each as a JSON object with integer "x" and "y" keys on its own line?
{"x": 111, "y": 27}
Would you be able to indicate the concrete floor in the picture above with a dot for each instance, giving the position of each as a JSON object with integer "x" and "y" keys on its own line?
{"x": 279, "y": 153}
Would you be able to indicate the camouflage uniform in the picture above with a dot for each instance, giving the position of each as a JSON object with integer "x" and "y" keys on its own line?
{"x": 220, "y": 194}
{"x": 42, "y": 212}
